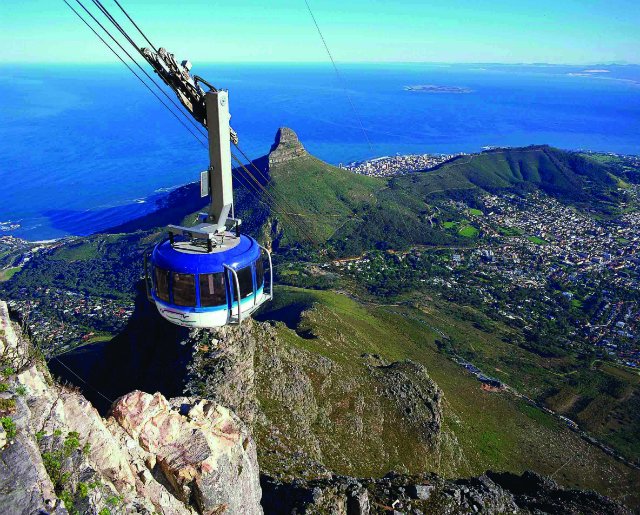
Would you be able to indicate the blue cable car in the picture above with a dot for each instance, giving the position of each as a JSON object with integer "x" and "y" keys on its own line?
{"x": 193, "y": 288}
{"x": 210, "y": 275}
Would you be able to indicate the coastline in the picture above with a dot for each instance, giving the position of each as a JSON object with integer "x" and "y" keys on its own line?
{"x": 142, "y": 211}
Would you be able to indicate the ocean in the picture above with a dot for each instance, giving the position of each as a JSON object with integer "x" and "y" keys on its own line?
{"x": 86, "y": 147}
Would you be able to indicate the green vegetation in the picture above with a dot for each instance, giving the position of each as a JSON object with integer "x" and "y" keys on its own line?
{"x": 104, "y": 337}
{"x": 567, "y": 176}
{"x": 576, "y": 303}
{"x": 540, "y": 416}
{"x": 9, "y": 427}
{"x": 348, "y": 215}
{"x": 54, "y": 464}
{"x": 104, "y": 265}
{"x": 8, "y": 273}
{"x": 490, "y": 430}
{"x": 7, "y": 406}
{"x": 468, "y": 231}
{"x": 322, "y": 194}
{"x": 509, "y": 231}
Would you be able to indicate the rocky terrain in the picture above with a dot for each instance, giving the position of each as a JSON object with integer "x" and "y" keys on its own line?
{"x": 190, "y": 455}
{"x": 286, "y": 147}
{"x": 309, "y": 412}
{"x": 150, "y": 455}
{"x": 498, "y": 493}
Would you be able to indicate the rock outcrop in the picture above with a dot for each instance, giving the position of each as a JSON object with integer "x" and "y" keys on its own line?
{"x": 152, "y": 455}
{"x": 313, "y": 415}
{"x": 222, "y": 368}
{"x": 491, "y": 493}
{"x": 199, "y": 446}
{"x": 287, "y": 147}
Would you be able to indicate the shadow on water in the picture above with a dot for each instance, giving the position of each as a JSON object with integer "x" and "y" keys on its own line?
{"x": 146, "y": 355}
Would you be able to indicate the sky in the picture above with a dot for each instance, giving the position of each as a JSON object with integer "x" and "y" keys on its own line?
{"x": 488, "y": 31}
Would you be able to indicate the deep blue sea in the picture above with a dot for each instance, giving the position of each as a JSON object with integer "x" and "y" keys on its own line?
{"x": 83, "y": 148}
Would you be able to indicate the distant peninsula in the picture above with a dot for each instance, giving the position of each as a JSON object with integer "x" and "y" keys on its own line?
{"x": 430, "y": 88}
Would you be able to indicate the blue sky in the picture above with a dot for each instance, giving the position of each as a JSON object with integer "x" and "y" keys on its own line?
{"x": 506, "y": 31}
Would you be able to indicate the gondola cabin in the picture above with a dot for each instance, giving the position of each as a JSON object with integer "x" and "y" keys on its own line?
{"x": 210, "y": 275}
{"x": 194, "y": 286}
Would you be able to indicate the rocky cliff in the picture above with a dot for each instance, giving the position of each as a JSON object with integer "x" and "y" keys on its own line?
{"x": 491, "y": 493}
{"x": 187, "y": 455}
{"x": 311, "y": 412}
{"x": 286, "y": 147}
{"x": 150, "y": 455}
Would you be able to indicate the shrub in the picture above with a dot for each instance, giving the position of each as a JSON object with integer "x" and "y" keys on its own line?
{"x": 9, "y": 427}
{"x": 83, "y": 489}
{"x": 67, "y": 498}
{"x": 54, "y": 459}
{"x": 7, "y": 406}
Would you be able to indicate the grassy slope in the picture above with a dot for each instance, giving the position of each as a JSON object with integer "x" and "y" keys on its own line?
{"x": 356, "y": 213}
{"x": 377, "y": 213}
{"x": 322, "y": 196}
{"x": 353, "y": 212}
{"x": 566, "y": 175}
{"x": 492, "y": 430}
{"x": 602, "y": 398}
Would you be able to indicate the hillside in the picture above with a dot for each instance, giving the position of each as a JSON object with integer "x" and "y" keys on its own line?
{"x": 367, "y": 382}
{"x": 565, "y": 175}
{"x": 357, "y": 213}
{"x": 188, "y": 456}
{"x": 317, "y": 202}
{"x": 319, "y": 195}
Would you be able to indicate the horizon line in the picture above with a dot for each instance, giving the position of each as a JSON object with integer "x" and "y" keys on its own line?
{"x": 240, "y": 62}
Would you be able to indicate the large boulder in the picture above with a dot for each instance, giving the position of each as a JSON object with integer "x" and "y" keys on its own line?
{"x": 204, "y": 451}
{"x": 171, "y": 457}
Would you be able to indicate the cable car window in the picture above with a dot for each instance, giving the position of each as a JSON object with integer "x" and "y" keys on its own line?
{"x": 162, "y": 283}
{"x": 212, "y": 290}
{"x": 259, "y": 273}
{"x": 184, "y": 289}
{"x": 245, "y": 278}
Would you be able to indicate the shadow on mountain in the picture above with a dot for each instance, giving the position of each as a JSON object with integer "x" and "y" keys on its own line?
{"x": 186, "y": 200}
{"x": 146, "y": 356}
{"x": 84, "y": 223}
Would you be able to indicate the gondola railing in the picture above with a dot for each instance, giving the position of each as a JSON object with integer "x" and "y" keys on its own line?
{"x": 270, "y": 271}
{"x": 237, "y": 283}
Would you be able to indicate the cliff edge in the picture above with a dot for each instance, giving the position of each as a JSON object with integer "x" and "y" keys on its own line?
{"x": 286, "y": 147}
{"x": 150, "y": 455}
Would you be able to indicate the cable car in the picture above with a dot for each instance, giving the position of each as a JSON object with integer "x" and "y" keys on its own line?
{"x": 192, "y": 287}
{"x": 210, "y": 275}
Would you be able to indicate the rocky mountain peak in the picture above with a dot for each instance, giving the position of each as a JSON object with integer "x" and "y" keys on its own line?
{"x": 286, "y": 147}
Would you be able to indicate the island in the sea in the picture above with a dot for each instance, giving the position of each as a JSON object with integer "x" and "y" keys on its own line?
{"x": 430, "y": 88}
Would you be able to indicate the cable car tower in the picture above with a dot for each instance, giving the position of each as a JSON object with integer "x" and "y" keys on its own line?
{"x": 207, "y": 275}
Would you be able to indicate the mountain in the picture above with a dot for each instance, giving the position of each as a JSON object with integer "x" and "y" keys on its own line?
{"x": 356, "y": 213}
{"x": 568, "y": 176}
{"x": 337, "y": 378}
{"x": 316, "y": 202}
{"x": 187, "y": 456}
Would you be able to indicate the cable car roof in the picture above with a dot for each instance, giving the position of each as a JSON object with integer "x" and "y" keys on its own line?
{"x": 245, "y": 252}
